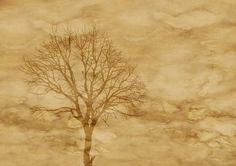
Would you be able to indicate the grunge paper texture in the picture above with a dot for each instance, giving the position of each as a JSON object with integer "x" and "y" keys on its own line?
{"x": 184, "y": 52}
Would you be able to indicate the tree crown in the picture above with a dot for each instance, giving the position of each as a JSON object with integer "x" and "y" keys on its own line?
{"x": 87, "y": 70}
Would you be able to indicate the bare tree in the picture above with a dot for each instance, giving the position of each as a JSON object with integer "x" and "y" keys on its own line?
{"x": 87, "y": 70}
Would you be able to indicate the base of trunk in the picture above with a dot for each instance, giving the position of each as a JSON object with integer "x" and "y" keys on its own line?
{"x": 88, "y": 159}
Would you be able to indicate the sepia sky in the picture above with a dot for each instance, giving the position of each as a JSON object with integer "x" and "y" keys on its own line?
{"x": 183, "y": 49}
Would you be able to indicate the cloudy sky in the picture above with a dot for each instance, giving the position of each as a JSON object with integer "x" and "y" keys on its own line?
{"x": 183, "y": 49}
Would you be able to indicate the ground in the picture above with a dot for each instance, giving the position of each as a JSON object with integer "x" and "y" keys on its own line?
{"x": 165, "y": 141}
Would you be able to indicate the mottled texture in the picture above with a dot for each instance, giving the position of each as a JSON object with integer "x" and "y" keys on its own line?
{"x": 185, "y": 52}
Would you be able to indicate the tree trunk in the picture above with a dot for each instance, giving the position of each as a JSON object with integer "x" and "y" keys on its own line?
{"x": 88, "y": 159}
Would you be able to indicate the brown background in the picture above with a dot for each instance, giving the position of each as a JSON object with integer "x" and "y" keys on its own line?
{"x": 185, "y": 51}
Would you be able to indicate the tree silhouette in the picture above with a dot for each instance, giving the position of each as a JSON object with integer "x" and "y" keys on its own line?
{"x": 87, "y": 70}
